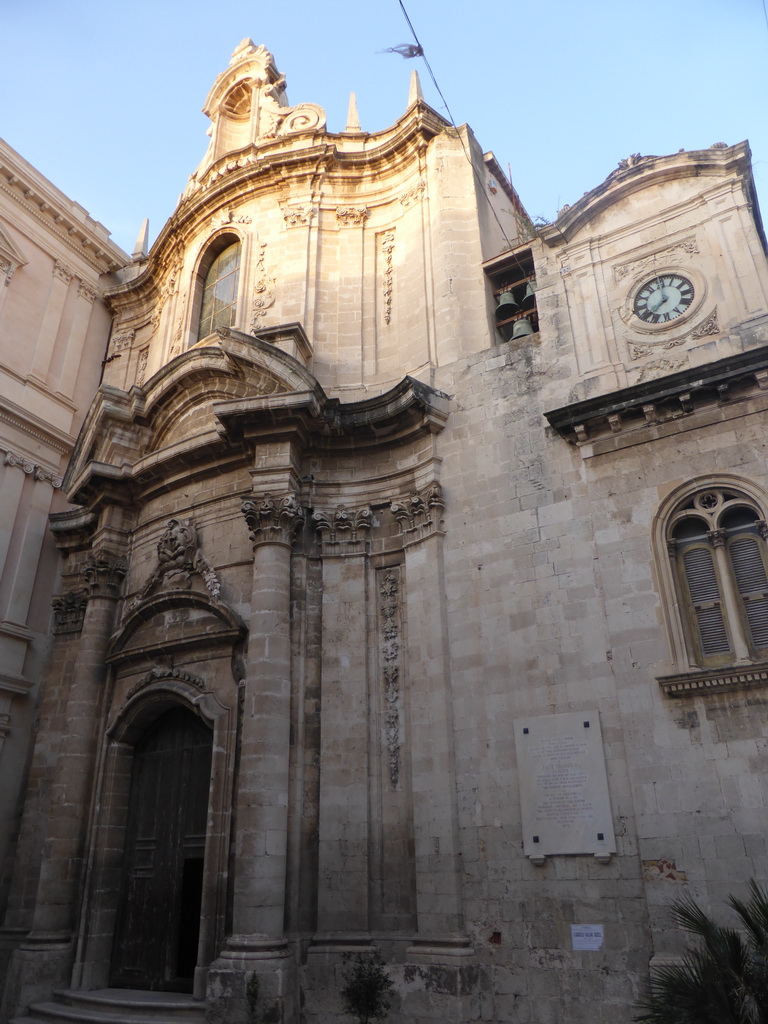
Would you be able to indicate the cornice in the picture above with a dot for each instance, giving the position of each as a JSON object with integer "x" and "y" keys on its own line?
{"x": 640, "y": 172}
{"x": 57, "y": 214}
{"x": 73, "y": 529}
{"x": 27, "y": 423}
{"x": 716, "y": 680}
{"x": 606, "y": 422}
{"x": 297, "y": 408}
{"x": 264, "y": 166}
{"x": 407, "y": 410}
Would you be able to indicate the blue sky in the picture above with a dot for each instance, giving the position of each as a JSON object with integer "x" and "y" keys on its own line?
{"x": 105, "y": 98}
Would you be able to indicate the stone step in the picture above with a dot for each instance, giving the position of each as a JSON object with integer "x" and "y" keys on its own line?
{"x": 116, "y": 1006}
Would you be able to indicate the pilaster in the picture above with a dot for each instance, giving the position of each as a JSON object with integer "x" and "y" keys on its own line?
{"x": 440, "y": 921}
{"x": 74, "y": 344}
{"x": 54, "y": 308}
{"x": 344, "y": 829}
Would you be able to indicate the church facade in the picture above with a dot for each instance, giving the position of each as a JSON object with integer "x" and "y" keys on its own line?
{"x": 417, "y": 574}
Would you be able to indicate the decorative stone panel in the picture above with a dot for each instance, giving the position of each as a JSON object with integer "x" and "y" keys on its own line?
{"x": 388, "y": 595}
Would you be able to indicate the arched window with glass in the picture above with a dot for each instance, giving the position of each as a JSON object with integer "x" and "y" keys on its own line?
{"x": 220, "y": 280}
{"x": 717, "y": 544}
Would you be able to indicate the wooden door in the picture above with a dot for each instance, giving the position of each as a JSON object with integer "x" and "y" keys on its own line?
{"x": 158, "y": 921}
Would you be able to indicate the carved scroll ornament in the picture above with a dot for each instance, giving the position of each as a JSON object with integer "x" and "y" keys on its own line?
{"x": 32, "y": 469}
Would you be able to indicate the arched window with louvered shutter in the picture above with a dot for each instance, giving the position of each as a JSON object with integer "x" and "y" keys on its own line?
{"x": 717, "y": 545}
{"x": 702, "y": 590}
{"x": 746, "y": 551}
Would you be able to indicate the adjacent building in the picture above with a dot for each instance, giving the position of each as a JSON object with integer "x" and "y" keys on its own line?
{"x": 55, "y": 263}
{"x": 415, "y": 585}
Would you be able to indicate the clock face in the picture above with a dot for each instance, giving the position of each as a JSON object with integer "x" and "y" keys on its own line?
{"x": 663, "y": 298}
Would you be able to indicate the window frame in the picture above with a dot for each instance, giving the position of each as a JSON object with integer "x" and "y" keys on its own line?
{"x": 678, "y": 609}
{"x": 213, "y": 248}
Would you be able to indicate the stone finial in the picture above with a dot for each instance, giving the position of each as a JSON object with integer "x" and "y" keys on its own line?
{"x": 140, "y": 249}
{"x": 415, "y": 95}
{"x": 353, "y": 119}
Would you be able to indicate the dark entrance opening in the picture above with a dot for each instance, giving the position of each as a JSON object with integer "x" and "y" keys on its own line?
{"x": 158, "y": 924}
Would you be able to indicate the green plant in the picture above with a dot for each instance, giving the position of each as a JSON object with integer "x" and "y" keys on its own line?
{"x": 366, "y": 994}
{"x": 721, "y": 980}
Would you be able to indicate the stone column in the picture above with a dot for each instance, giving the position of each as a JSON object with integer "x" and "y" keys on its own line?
{"x": 44, "y": 960}
{"x": 261, "y": 844}
{"x": 730, "y": 597}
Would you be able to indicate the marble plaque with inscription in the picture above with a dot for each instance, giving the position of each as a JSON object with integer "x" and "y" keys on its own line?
{"x": 564, "y": 786}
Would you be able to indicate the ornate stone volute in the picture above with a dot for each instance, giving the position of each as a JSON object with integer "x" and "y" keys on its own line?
{"x": 342, "y": 527}
{"x": 68, "y": 612}
{"x": 420, "y": 513}
{"x": 273, "y": 521}
{"x": 103, "y": 575}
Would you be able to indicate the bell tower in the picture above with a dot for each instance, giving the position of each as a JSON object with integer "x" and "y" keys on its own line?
{"x": 248, "y": 103}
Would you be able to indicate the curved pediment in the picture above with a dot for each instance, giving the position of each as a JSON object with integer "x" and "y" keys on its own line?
{"x": 172, "y": 621}
{"x": 638, "y": 173}
{"x": 173, "y": 412}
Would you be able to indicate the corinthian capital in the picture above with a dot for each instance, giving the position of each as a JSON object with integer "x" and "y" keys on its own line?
{"x": 62, "y": 271}
{"x": 718, "y": 538}
{"x": 342, "y": 525}
{"x": 104, "y": 574}
{"x": 273, "y": 520}
{"x": 420, "y": 512}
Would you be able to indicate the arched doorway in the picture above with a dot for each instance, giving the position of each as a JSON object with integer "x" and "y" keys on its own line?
{"x": 158, "y": 923}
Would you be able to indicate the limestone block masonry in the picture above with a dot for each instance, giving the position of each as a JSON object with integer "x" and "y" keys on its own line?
{"x": 413, "y": 591}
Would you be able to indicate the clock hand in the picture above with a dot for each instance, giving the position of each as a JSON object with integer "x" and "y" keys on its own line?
{"x": 657, "y": 307}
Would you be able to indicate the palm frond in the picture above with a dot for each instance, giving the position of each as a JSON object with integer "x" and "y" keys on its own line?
{"x": 723, "y": 979}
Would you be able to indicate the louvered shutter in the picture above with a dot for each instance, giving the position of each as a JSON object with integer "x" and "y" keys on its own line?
{"x": 706, "y": 601}
{"x": 752, "y": 584}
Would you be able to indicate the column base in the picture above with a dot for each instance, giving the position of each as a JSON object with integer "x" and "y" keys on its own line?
{"x": 441, "y": 983}
{"x": 335, "y": 943}
{"x": 252, "y": 979}
{"x": 38, "y": 965}
{"x": 437, "y": 950}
